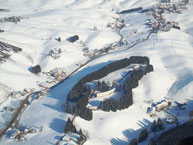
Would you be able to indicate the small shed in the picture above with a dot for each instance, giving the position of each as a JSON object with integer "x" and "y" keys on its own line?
{"x": 73, "y": 38}
{"x": 36, "y": 69}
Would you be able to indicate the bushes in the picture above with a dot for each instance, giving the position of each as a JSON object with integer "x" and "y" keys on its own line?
{"x": 85, "y": 113}
{"x": 153, "y": 126}
{"x": 81, "y": 111}
{"x": 102, "y": 86}
{"x": 143, "y": 135}
{"x": 69, "y": 127}
{"x": 80, "y": 139}
{"x": 36, "y": 69}
{"x": 73, "y": 38}
{"x": 160, "y": 123}
{"x": 133, "y": 142}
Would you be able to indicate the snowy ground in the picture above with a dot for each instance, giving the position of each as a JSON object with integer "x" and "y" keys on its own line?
{"x": 169, "y": 52}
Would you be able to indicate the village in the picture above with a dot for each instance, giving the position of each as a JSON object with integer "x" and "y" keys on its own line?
{"x": 13, "y": 19}
{"x": 21, "y": 132}
{"x": 116, "y": 26}
{"x": 157, "y": 21}
{"x": 32, "y": 94}
{"x": 6, "y": 49}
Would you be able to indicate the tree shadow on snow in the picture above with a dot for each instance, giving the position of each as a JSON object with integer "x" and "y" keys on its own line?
{"x": 116, "y": 141}
{"x": 131, "y": 133}
{"x": 180, "y": 83}
{"x": 58, "y": 125}
{"x": 57, "y": 107}
{"x": 61, "y": 90}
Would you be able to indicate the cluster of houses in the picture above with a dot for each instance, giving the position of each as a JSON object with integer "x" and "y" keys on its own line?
{"x": 20, "y": 133}
{"x": 13, "y": 19}
{"x": 57, "y": 74}
{"x": 117, "y": 25}
{"x": 21, "y": 93}
{"x": 158, "y": 22}
{"x": 163, "y": 105}
{"x": 105, "y": 49}
{"x": 41, "y": 94}
{"x": 7, "y": 109}
{"x": 5, "y": 48}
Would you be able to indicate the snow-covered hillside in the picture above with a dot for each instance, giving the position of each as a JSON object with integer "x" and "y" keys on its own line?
{"x": 43, "y": 22}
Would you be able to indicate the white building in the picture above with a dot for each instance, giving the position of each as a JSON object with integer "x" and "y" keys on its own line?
{"x": 158, "y": 106}
{"x": 103, "y": 94}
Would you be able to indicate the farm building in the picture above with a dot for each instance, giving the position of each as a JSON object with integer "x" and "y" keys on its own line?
{"x": 28, "y": 90}
{"x": 103, "y": 94}
{"x": 57, "y": 72}
{"x": 162, "y": 105}
{"x": 94, "y": 108}
{"x": 158, "y": 106}
{"x": 41, "y": 94}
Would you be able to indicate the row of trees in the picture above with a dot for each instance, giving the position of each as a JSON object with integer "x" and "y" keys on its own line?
{"x": 102, "y": 86}
{"x": 144, "y": 133}
{"x": 69, "y": 127}
{"x": 77, "y": 91}
{"x": 116, "y": 104}
{"x": 126, "y": 100}
{"x": 131, "y": 10}
{"x": 81, "y": 111}
{"x": 80, "y": 92}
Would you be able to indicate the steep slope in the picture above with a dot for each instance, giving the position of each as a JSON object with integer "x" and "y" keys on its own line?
{"x": 43, "y": 21}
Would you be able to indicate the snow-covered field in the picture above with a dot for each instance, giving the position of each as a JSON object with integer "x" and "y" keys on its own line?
{"x": 42, "y": 22}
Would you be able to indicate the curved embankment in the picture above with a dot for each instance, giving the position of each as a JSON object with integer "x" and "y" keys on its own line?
{"x": 175, "y": 135}
{"x": 22, "y": 106}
